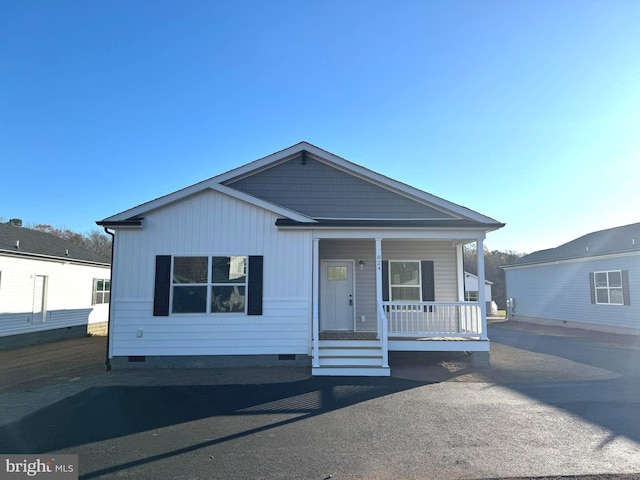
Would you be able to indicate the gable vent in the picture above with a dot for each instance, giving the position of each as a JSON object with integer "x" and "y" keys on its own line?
{"x": 303, "y": 159}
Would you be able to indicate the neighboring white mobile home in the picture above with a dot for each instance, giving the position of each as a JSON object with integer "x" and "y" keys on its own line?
{"x": 49, "y": 288}
{"x": 591, "y": 282}
{"x": 471, "y": 291}
{"x": 299, "y": 255}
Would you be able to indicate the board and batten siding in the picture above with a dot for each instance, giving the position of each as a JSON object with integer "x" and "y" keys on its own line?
{"x": 443, "y": 254}
{"x": 562, "y": 292}
{"x": 211, "y": 223}
{"x": 68, "y": 295}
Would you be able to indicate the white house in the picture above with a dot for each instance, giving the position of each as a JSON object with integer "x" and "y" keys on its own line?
{"x": 49, "y": 288}
{"x": 298, "y": 255}
{"x": 471, "y": 291}
{"x": 592, "y": 282}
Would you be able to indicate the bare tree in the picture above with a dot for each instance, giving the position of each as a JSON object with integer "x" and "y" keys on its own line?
{"x": 95, "y": 241}
{"x": 492, "y": 261}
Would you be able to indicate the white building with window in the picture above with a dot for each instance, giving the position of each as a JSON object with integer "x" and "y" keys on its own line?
{"x": 591, "y": 282}
{"x": 49, "y": 288}
{"x": 300, "y": 255}
{"x": 471, "y": 292}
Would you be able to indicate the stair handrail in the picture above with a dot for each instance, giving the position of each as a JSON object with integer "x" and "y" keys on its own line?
{"x": 383, "y": 334}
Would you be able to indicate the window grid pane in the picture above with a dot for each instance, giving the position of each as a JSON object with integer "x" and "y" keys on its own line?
{"x": 405, "y": 293}
{"x": 190, "y": 269}
{"x": 601, "y": 279}
{"x": 615, "y": 279}
{"x": 189, "y": 299}
{"x": 405, "y": 273}
{"x": 227, "y": 298}
{"x": 336, "y": 273}
{"x": 229, "y": 269}
{"x": 615, "y": 296}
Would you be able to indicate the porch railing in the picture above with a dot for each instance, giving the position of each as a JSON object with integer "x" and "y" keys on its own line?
{"x": 428, "y": 319}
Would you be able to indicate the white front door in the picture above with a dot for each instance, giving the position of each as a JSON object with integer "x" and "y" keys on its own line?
{"x": 336, "y": 293}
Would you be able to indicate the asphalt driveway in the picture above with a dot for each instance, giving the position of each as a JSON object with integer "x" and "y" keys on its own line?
{"x": 555, "y": 402}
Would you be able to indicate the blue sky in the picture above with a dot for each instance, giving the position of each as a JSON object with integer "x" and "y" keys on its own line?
{"x": 526, "y": 111}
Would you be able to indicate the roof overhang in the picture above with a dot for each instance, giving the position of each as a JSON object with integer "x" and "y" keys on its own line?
{"x": 131, "y": 218}
{"x": 542, "y": 263}
{"x": 132, "y": 223}
{"x": 52, "y": 258}
{"x": 376, "y": 223}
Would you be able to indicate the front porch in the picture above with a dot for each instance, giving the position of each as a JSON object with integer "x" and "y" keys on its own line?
{"x": 366, "y": 303}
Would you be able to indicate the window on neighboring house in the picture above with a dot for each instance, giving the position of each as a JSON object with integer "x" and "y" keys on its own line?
{"x": 471, "y": 296}
{"x": 101, "y": 291}
{"x": 209, "y": 284}
{"x": 608, "y": 287}
{"x": 405, "y": 281}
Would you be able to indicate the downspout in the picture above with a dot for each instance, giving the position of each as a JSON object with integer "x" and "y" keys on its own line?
{"x": 107, "y": 361}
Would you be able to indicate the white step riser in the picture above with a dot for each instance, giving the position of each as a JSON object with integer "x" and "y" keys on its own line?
{"x": 349, "y": 343}
{"x": 351, "y": 372}
{"x": 350, "y": 358}
{"x": 350, "y": 352}
{"x": 352, "y": 361}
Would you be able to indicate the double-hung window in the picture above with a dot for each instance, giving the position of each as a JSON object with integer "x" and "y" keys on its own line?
{"x": 203, "y": 284}
{"x": 101, "y": 291}
{"x": 405, "y": 281}
{"x": 608, "y": 287}
{"x": 471, "y": 296}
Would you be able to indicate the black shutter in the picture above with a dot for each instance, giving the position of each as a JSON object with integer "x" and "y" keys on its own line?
{"x": 428, "y": 281}
{"x": 254, "y": 295}
{"x": 162, "y": 286}
{"x": 625, "y": 287}
{"x": 592, "y": 287}
{"x": 385, "y": 280}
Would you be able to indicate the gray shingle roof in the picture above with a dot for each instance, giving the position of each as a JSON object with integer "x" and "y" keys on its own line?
{"x": 605, "y": 242}
{"x": 34, "y": 243}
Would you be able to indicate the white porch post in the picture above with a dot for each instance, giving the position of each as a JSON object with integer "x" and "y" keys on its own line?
{"x": 481, "y": 287}
{"x": 382, "y": 325}
{"x": 460, "y": 262}
{"x": 314, "y": 303}
{"x": 379, "y": 278}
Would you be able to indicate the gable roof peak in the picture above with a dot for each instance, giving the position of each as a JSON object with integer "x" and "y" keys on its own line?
{"x": 223, "y": 184}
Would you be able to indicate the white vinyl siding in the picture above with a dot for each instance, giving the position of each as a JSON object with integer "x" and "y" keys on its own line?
{"x": 192, "y": 227}
{"x": 562, "y": 292}
{"x": 68, "y": 295}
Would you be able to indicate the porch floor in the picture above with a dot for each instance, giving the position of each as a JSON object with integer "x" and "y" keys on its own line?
{"x": 347, "y": 335}
{"x": 372, "y": 336}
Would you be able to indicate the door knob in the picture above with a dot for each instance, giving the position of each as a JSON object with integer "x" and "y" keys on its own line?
{"x": 350, "y": 299}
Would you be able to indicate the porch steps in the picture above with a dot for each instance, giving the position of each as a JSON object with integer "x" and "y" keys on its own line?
{"x": 350, "y": 358}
